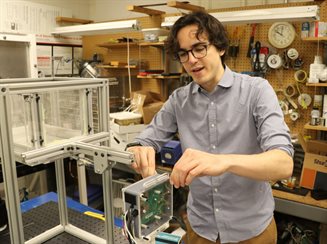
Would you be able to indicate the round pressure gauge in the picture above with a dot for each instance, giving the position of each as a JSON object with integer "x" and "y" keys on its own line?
{"x": 281, "y": 34}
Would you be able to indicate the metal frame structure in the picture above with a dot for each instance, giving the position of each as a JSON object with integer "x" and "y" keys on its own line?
{"x": 91, "y": 149}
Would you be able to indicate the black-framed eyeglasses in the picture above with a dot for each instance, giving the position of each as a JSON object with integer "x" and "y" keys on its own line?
{"x": 198, "y": 51}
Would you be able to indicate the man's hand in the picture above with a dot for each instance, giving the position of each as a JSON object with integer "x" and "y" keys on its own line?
{"x": 195, "y": 163}
{"x": 144, "y": 160}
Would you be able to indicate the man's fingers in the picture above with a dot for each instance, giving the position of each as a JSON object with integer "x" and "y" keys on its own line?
{"x": 144, "y": 160}
{"x": 181, "y": 171}
{"x": 152, "y": 163}
{"x": 144, "y": 164}
{"x": 192, "y": 174}
{"x": 135, "y": 167}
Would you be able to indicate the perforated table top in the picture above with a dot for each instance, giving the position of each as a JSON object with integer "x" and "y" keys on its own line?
{"x": 46, "y": 216}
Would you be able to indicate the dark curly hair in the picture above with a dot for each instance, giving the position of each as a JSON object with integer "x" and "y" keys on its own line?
{"x": 207, "y": 24}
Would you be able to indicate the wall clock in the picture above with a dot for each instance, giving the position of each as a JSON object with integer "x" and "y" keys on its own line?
{"x": 281, "y": 34}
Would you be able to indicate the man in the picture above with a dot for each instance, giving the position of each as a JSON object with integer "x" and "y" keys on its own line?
{"x": 233, "y": 136}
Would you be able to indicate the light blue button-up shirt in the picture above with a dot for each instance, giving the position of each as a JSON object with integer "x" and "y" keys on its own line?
{"x": 241, "y": 116}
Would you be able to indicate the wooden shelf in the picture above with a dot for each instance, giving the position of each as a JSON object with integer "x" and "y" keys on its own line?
{"x": 61, "y": 19}
{"x": 124, "y": 44}
{"x": 185, "y": 6}
{"x": 143, "y": 9}
{"x": 119, "y": 44}
{"x": 153, "y": 44}
{"x": 104, "y": 66}
{"x": 315, "y": 127}
{"x": 158, "y": 77}
{"x": 315, "y": 39}
{"x": 316, "y": 84}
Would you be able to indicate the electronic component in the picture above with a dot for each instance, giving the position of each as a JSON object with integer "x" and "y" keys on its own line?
{"x": 148, "y": 205}
{"x": 171, "y": 152}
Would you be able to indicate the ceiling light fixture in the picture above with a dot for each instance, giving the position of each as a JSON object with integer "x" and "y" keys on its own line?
{"x": 299, "y": 13}
{"x": 98, "y": 28}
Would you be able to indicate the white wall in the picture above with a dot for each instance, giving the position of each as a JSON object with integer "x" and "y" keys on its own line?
{"x": 38, "y": 16}
{"x": 104, "y": 10}
{"x": 79, "y": 8}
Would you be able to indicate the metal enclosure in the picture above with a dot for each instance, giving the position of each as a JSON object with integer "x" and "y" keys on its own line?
{"x": 149, "y": 203}
{"x": 46, "y": 120}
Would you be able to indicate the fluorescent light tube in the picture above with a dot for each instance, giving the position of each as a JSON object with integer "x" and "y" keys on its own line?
{"x": 98, "y": 28}
{"x": 301, "y": 13}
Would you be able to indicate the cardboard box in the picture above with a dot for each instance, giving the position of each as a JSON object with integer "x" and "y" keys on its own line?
{"x": 314, "y": 169}
{"x": 150, "y": 110}
{"x": 152, "y": 104}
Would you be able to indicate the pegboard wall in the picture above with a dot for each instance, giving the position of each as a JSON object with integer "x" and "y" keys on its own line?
{"x": 151, "y": 57}
{"x": 281, "y": 78}
{"x": 278, "y": 78}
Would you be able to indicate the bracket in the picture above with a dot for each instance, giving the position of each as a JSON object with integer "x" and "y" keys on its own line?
{"x": 103, "y": 157}
{"x": 144, "y": 10}
{"x": 185, "y": 6}
{"x": 175, "y": 4}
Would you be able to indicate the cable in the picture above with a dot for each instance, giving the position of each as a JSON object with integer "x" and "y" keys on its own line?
{"x": 181, "y": 223}
{"x": 59, "y": 62}
{"x": 129, "y": 235}
{"x": 129, "y": 69}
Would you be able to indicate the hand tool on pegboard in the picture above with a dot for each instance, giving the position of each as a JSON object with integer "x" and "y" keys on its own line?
{"x": 251, "y": 41}
{"x": 256, "y": 61}
{"x": 234, "y": 46}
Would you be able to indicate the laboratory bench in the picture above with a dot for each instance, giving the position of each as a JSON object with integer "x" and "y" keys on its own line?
{"x": 301, "y": 206}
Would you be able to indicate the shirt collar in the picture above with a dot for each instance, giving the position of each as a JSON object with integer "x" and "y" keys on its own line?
{"x": 226, "y": 80}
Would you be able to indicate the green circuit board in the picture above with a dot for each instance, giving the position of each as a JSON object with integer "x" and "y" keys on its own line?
{"x": 155, "y": 204}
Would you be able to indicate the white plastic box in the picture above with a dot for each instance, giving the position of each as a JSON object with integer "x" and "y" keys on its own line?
{"x": 119, "y": 141}
{"x": 123, "y": 129}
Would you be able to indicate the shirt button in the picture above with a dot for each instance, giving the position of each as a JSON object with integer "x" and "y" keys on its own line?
{"x": 212, "y": 125}
{"x": 216, "y": 190}
{"x": 217, "y": 210}
{"x": 213, "y": 146}
{"x": 212, "y": 103}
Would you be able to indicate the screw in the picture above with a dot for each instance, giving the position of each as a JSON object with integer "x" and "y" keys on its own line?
{"x": 3, "y": 89}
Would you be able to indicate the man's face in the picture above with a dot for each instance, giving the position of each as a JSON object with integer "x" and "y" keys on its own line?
{"x": 207, "y": 70}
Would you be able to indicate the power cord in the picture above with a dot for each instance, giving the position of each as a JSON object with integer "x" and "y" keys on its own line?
{"x": 129, "y": 218}
{"x": 180, "y": 222}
